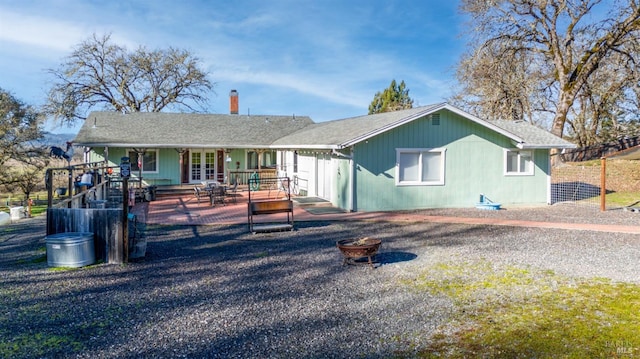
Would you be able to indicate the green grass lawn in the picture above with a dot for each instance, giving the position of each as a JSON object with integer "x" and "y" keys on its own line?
{"x": 40, "y": 202}
{"x": 622, "y": 199}
{"x": 512, "y": 312}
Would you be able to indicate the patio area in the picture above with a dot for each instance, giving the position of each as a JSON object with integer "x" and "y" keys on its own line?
{"x": 187, "y": 210}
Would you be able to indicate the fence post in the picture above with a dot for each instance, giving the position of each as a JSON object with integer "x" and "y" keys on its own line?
{"x": 603, "y": 184}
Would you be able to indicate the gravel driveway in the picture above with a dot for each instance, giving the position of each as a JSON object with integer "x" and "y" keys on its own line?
{"x": 220, "y": 292}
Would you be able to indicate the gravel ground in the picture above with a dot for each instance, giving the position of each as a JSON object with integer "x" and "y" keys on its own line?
{"x": 220, "y": 292}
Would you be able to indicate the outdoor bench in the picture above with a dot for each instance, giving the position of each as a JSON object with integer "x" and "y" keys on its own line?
{"x": 270, "y": 207}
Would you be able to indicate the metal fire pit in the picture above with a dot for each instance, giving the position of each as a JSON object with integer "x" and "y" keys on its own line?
{"x": 354, "y": 250}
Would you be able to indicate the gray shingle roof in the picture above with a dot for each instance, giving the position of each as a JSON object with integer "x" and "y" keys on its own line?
{"x": 157, "y": 129}
{"x": 532, "y": 136}
{"x": 344, "y": 133}
{"x": 341, "y": 133}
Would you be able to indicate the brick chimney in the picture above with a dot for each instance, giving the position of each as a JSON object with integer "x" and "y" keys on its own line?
{"x": 233, "y": 102}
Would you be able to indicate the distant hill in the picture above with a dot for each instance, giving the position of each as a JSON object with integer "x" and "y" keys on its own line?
{"x": 56, "y": 139}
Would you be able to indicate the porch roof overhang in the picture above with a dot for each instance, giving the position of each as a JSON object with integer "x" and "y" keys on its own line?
{"x": 170, "y": 145}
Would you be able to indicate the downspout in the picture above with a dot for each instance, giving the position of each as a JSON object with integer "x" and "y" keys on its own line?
{"x": 351, "y": 173}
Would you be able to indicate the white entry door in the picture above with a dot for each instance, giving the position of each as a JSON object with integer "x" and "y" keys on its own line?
{"x": 323, "y": 173}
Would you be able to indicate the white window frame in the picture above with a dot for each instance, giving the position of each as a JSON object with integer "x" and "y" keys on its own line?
{"x": 157, "y": 153}
{"x": 528, "y": 171}
{"x": 420, "y": 152}
{"x": 271, "y": 154}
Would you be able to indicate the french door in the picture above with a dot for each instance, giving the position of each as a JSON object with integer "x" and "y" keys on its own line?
{"x": 203, "y": 165}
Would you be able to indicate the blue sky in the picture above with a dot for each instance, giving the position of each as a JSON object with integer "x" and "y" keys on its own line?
{"x": 320, "y": 58}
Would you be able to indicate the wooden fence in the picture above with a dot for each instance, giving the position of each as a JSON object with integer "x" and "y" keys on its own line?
{"x": 108, "y": 228}
{"x": 595, "y": 152}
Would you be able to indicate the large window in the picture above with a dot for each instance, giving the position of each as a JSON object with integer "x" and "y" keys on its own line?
{"x": 148, "y": 161}
{"x": 420, "y": 166}
{"x": 518, "y": 162}
{"x": 268, "y": 159}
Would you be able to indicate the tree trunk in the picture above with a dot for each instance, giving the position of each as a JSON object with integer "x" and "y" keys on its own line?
{"x": 557, "y": 128}
{"x": 564, "y": 104}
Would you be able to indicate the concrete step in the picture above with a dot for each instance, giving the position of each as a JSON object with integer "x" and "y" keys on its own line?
{"x": 311, "y": 201}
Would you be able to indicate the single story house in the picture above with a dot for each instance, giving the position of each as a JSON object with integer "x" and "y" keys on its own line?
{"x": 426, "y": 157}
{"x": 185, "y": 148}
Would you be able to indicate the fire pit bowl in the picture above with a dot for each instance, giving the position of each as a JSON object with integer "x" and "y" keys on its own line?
{"x": 355, "y": 249}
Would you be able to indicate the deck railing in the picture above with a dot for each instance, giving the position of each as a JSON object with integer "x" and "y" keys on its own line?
{"x": 243, "y": 176}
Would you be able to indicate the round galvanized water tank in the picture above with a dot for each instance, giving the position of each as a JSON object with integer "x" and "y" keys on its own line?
{"x": 5, "y": 218}
{"x": 70, "y": 249}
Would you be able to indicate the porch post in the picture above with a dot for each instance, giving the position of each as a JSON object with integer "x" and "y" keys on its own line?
{"x": 603, "y": 184}
{"x": 227, "y": 161}
{"x": 181, "y": 152}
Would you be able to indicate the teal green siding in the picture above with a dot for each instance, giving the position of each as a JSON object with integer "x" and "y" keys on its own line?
{"x": 340, "y": 196}
{"x": 168, "y": 164}
{"x": 474, "y": 165}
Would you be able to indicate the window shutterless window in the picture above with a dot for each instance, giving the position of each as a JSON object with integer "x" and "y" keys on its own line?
{"x": 268, "y": 159}
{"x": 420, "y": 166}
{"x": 518, "y": 162}
{"x": 148, "y": 160}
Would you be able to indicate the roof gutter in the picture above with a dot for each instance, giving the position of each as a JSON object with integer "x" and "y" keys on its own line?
{"x": 524, "y": 146}
{"x": 306, "y": 147}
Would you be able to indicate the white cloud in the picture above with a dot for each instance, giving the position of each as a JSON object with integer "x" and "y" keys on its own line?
{"x": 326, "y": 89}
{"x": 46, "y": 33}
{"x": 326, "y": 56}
{"x": 49, "y": 34}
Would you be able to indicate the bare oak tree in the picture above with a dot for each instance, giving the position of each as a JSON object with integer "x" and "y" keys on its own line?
{"x": 22, "y": 156}
{"x": 567, "y": 39}
{"x": 495, "y": 86}
{"x": 101, "y": 74}
{"x": 19, "y": 131}
{"x": 606, "y": 107}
